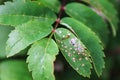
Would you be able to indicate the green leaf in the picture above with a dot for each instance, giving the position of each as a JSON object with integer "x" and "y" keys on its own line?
{"x": 32, "y": 8}
{"x": 26, "y": 34}
{"x": 4, "y": 31}
{"x": 20, "y": 19}
{"x": 90, "y": 40}
{"x": 41, "y": 57}
{"x": 108, "y": 10}
{"x": 74, "y": 51}
{"x": 52, "y": 4}
{"x": 87, "y": 16}
{"x": 14, "y": 70}
{"x": 18, "y": 12}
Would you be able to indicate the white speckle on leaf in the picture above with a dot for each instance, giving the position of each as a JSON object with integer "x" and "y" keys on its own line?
{"x": 74, "y": 52}
{"x": 68, "y": 34}
{"x": 70, "y": 48}
{"x": 83, "y": 54}
{"x": 66, "y": 51}
{"x": 80, "y": 59}
{"x": 69, "y": 54}
{"x": 83, "y": 65}
{"x": 60, "y": 32}
{"x": 65, "y": 46}
{"x": 73, "y": 41}
{"x": 77, "y": 69}
{"x": 73, "y": 59}
{"x": 86, "y": 58}
{"x": 78, "y": 53}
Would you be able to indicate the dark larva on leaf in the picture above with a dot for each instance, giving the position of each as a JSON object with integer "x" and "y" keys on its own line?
{"x": 73, "y": 50}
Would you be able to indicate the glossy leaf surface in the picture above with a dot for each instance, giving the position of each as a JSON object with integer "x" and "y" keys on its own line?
{"x": 74, "y": 51}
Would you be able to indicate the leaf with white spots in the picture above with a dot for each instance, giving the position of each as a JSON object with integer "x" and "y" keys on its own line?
{"x": 90, "y": 40}
{"x": 74, "y": 51}
{"x": 90, "y": 18}
{"x": 41, "y": 57}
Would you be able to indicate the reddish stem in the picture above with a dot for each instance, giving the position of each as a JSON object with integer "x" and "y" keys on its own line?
{"x": 59, "y": 15}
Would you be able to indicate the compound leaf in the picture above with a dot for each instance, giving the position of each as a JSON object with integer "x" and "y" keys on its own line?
{"x": 90, "y": 40}
{"x": 41, "y": 57}
{"x": 26, "y": 34}
{"x": 74, "y": 51}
